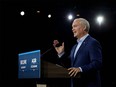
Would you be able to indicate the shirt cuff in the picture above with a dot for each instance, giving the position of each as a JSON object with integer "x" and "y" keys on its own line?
{"x": 80, "y": 69}
{"x": 61, "y": 54}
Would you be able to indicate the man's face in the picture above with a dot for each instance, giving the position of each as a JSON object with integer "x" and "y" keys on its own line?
{"x": 77, "y": 29}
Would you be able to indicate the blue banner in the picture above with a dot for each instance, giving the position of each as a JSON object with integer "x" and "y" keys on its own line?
{"x": 29, "y": 64}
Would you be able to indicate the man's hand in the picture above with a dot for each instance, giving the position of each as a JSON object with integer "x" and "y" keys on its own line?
{"x": 59, "y": 49}
{"x": 73, "y": 71}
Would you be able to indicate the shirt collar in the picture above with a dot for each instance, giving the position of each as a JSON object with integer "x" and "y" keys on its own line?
{"x": 82, "y": 38}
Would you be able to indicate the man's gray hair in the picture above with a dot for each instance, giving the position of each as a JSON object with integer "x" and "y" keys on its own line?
{"x": 85, "y": 23}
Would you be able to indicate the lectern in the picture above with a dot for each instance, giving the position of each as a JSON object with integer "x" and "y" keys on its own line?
{"x": 53, "y": 75}
{"x": 51, "y": 70}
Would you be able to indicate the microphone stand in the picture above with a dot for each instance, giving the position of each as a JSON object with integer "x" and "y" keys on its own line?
{"x": 47, "y": 51}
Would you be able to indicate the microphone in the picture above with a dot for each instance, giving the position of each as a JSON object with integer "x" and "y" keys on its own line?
{"x": 56, "y": 43}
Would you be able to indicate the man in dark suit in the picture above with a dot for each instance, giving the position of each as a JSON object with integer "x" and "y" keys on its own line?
{"x": 85, "y": 56}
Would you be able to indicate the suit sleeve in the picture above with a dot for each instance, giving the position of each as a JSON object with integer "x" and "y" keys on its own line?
{"x": 95, "y": 55}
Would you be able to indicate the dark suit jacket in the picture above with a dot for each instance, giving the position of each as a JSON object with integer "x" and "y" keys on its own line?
{"x": 89, "y": 58}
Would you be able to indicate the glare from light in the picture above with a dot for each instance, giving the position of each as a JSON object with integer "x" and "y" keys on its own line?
{"x": 38, "y": 11}
{"x": 100, "y": 19}
{"x": 49, "y": 16}
{"x": 78, "y": 15}
{"x": 22, "y": 13}
{"x": 70, "y": 17}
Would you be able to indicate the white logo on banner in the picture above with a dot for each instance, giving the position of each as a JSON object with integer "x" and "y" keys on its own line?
{"x": 22, "y": 62}
{"x": 34, "y": 60}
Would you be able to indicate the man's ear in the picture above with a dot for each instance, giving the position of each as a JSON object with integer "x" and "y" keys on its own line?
{"x": 84, "y": 28}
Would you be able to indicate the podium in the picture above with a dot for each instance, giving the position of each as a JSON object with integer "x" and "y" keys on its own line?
{"x": 51, "y": 70}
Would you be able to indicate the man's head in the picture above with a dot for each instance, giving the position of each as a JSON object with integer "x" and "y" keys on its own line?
{"x": 80, "y": 27}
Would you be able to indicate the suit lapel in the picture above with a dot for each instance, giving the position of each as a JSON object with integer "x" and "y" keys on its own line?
{"x": 72, "y": 52}
{"x": 81, "y": 48}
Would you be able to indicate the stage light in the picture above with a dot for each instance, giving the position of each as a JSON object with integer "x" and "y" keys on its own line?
{"x": 22, "y": 13}
{"x": 49, "y": 16}
{"x": 100, "y": 19}
{"x": 38, "y": 11}
{"x": 78, "y": 15}
{"x": 70, "y": 17}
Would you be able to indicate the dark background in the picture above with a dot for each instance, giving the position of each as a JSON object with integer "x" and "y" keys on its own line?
{"x": 35, "y": 31}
